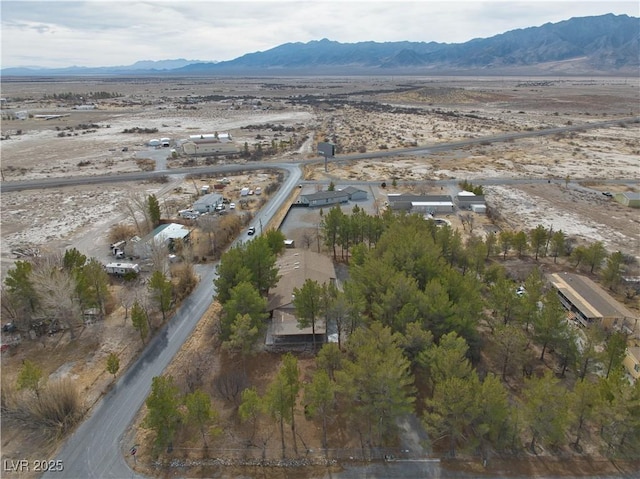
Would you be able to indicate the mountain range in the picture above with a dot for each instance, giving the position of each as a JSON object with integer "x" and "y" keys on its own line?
{"x": 597, "y": 45}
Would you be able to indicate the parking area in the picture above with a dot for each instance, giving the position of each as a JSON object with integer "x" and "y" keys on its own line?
{"x": 302, "y": 224}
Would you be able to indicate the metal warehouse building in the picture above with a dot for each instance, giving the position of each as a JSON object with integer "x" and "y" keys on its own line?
{"x": 468, "y": 201}
{"x": 209, "y": 144}
{"x": 421, "y": 204}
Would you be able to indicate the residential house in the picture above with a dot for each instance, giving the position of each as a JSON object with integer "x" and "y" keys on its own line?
{"x": 295, "y": 267}
{"x": 588, "y": 303}
{"x": 355, "y": 194}
{"x": 163, "y": 236}
{"x": 324, "y": 198}
{"x": 207, "y": 203}
{"x": 632, "y": 362}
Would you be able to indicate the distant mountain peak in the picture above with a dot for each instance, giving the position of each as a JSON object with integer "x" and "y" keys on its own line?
{"x": 606, "y": 44}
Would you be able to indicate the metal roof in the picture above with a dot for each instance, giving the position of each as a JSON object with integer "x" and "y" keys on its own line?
{"x": 589, "y": 298}
{"x": 321, "y": 195}
{"x": 419, "y": 198}
{"x": 170, "y": 231}
{"x": 210, "y": 199}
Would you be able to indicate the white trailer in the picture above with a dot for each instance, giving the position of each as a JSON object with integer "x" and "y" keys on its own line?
{"x": 120, "y": 269}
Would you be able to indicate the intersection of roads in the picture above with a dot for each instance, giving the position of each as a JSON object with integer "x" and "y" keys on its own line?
{"x": 96, "y": 449}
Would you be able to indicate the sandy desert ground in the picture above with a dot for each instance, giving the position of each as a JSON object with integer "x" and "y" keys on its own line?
{"x": 357, "y": 114}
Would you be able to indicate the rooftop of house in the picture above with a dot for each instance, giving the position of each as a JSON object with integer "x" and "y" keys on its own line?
{"x": 169, "y": 231}
{"x": 321, "y": 195}
{"x": 351, "y": 190}
{"x": 285, "y": 323}
{"x": 209, "y": 199}
{"x": 295, "y": 266}
{"x": 588, "y": 297}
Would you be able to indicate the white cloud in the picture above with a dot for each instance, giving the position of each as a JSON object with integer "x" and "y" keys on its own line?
{"x": 119, "y": 32}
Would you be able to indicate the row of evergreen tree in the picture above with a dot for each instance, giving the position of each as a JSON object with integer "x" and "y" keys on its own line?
{"x": 420, "y": 297}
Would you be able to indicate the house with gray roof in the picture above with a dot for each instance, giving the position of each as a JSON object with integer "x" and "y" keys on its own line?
{"x": 468, "y": 201}
{"x": 295, "y": 266}
{"x": 324, "y": 198}
{"x": 354, "y": 193}
{"x": 207, "y": 203}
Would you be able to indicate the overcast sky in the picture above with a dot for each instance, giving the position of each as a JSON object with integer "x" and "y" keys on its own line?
{"x": 59, "y": 33}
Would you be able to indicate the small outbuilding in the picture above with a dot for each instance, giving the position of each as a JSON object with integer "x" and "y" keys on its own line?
{"x": 355, "y": 194}
{"x": 466, "y": 200}
{"x": 628, "y": 198}
{"x": 480, "y": 208}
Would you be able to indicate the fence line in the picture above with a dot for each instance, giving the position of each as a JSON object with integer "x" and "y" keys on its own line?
{"x": 272, "y": 456}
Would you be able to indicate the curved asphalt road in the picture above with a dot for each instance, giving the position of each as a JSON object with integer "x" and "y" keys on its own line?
{"x": 261, "y": 165}
{"x": 95, "y": 449}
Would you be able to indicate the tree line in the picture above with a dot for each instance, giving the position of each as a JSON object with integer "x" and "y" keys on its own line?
{"x": 432, "y": 325}
{"x": 347, "y": 236}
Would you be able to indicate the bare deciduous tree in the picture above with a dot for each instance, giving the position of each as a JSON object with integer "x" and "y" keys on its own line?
{"x": 230, "y": 385}
{"x": 210, "y": 226}
{"x": 307, "y": 240}
{"x": 128, "y": 295}
{"x": 136, "y": 206}
{"x": 186, "y": 278}
{"x": 121, "y": 232}
{"x": 57, "y": 290}
{"x": 159, "y": 256}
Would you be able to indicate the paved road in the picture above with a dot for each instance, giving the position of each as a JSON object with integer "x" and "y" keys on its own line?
{"x": 426, "y": 149}
{"x": 95, "y": 450}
